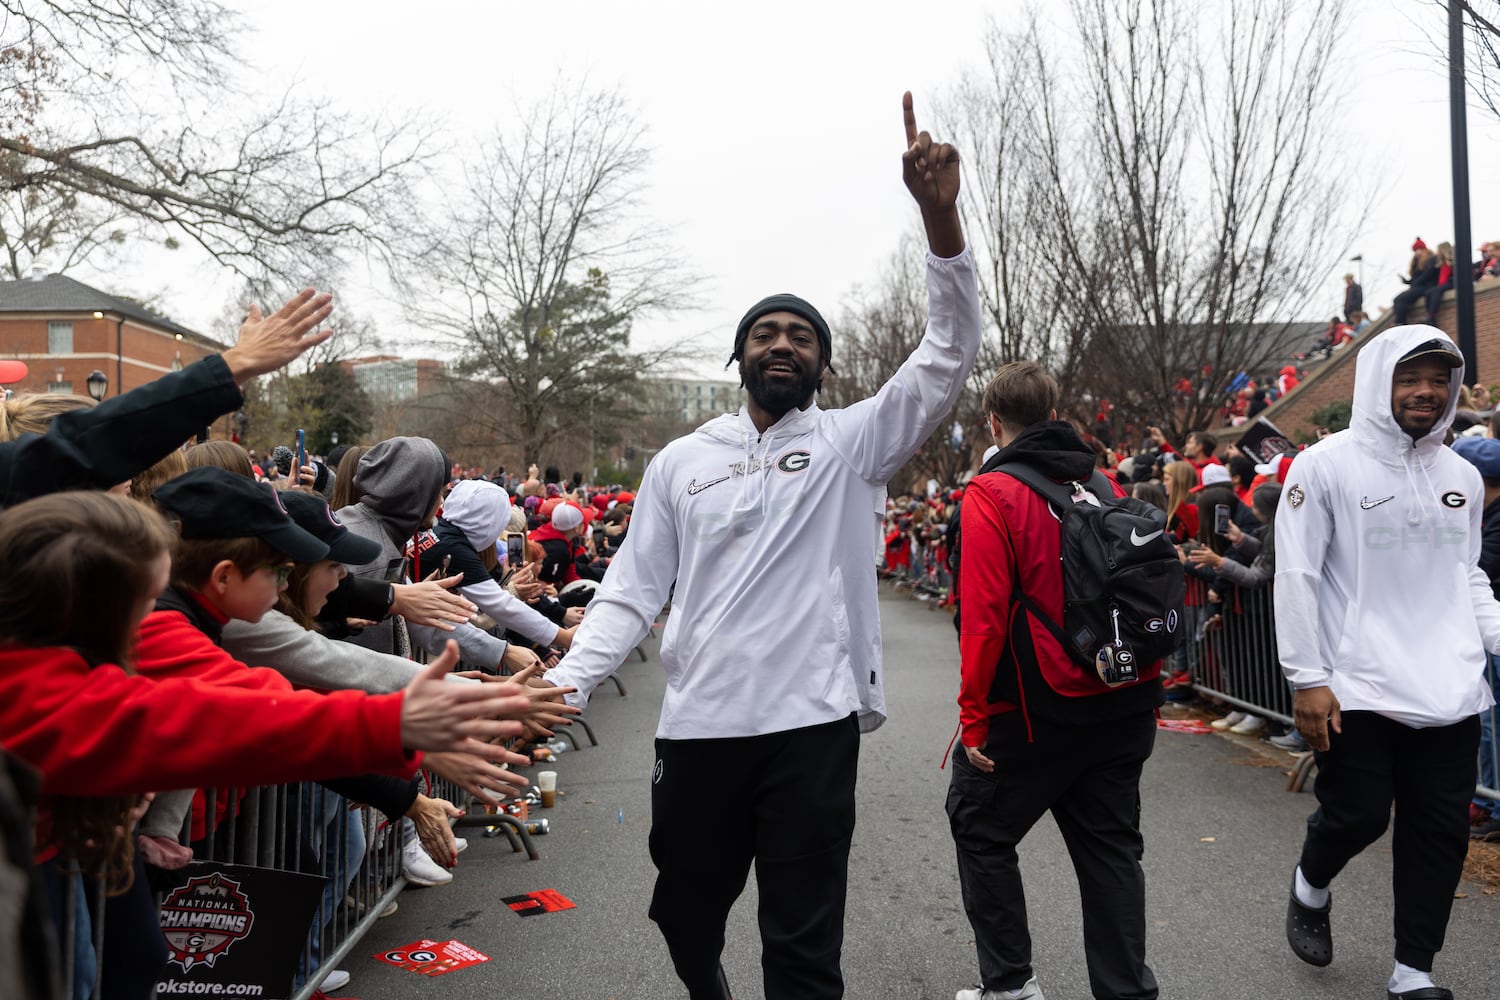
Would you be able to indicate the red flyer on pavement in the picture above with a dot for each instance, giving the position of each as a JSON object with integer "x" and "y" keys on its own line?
{"x": 1195, "y": 726}
{"x": 534, "y": 903}
{"x": 432, "y": 958}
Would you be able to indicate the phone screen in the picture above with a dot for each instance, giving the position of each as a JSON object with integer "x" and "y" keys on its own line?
{"x": 1221, "y": 518}
{"x": 515, "y": 550}
{"x": 301, "y": 451}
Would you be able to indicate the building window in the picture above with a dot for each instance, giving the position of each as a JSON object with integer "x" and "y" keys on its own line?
{"x": 60, "y": 388}
{"x": 60, "y": 338}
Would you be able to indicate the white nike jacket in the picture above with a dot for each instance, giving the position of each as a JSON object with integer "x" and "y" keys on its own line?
{"x": 770, "y": 539}
{"x": 1379, "y": 594}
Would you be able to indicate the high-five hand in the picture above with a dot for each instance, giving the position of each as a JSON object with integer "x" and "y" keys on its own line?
{"x": 930, "y": 170}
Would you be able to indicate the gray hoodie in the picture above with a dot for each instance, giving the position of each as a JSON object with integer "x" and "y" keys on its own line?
{"x": 401, "y": 480}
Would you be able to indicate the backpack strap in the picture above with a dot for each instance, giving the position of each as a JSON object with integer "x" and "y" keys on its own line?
{"x": 1059, "y": 495}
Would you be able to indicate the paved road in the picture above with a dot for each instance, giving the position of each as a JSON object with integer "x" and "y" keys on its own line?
{"x": 1221, "y": 837}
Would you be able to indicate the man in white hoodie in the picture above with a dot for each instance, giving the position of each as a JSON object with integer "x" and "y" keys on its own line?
{"x": 1383, "y": 618}
{"x": 766, "y": 520}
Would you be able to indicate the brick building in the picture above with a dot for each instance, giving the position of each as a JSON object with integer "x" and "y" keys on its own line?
{"x": 64, "y": 330}
{"x": 1333, "y": 381}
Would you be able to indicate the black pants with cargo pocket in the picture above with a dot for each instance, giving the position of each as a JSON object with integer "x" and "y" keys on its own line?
{"x": 784, "y": 801}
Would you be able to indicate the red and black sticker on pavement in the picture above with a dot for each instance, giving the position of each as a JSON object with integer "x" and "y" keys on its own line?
{"x": 535, "y": 903}
{"x": 432, "y": 958}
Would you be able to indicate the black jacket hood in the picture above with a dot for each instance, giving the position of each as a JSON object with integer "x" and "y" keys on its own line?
{"x": 1052, "y": 447}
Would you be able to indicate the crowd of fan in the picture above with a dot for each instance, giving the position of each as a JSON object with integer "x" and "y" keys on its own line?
{"x": 189, "y": 617}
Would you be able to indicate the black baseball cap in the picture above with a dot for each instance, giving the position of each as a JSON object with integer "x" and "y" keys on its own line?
{"x": 1441, "y": 349}
{"x": 313, "y": 515}
{"x": 210, "y": 502}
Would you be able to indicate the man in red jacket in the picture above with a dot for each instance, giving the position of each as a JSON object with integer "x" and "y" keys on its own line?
{"x": 1026, "y": 748}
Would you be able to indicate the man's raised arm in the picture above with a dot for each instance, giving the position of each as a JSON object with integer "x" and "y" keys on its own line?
{"x": 879, "y": 435}
{"x": 930, "y": 171}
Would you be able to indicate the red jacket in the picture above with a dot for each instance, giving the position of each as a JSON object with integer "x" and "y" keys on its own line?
{"x": 1006, "y": 529}
{"x": 102, "y": 731}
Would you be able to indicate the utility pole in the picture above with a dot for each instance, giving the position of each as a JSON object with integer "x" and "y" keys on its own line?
{"x": 1463, "y": 277}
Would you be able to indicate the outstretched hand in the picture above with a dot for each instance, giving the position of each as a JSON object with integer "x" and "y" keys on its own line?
{"x": 270, "y": 342}
{"x": 930, "y": 170}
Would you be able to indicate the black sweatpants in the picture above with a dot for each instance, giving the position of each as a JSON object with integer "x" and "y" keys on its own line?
{"x": 1089, "y": 777}
{"x": 1429, "y": 774}
{"x": 784, "y": 800}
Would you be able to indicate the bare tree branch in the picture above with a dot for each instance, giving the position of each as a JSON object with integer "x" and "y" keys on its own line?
{"x": 1157, "y": 202}
{"x": 545, "y": 265}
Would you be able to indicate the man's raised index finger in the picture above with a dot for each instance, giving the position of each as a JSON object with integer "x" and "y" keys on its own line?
{"x": 910, "y": 118}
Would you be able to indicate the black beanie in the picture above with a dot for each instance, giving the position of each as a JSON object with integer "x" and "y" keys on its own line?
{"x": 785, "y": 302}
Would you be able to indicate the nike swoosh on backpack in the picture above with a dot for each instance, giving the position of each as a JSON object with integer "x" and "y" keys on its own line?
{"x": 1136, "y": 539}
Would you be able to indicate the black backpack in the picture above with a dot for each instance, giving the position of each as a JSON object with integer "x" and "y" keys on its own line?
{"x": 1123, "y": 585}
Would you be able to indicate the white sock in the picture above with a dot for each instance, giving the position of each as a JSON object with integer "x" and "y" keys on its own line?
{"x": 1406, "y": 978}
{"x": 1309, "y": 896}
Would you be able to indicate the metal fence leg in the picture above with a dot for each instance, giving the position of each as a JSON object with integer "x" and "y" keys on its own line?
{"x": 513, "y": 827}
{"x": 579, "y": 720}
{"x": 1301, "y": 772}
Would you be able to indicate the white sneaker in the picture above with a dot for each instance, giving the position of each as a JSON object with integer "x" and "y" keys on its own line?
{"x": 1028, "y": 991}
{"x": 419, "y": 869}
{"x": 335, "y": 980}
{"x": 1230, "y": 720}
{"x": 460, "y": 845}
{"x": 1250, "y": 725}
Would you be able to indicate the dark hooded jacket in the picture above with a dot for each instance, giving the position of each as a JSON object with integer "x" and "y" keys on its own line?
{"x": 1011, "y": 539}
{"x": 119, "y": 438}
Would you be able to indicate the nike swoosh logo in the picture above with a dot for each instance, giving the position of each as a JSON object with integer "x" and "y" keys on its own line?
{"x": 1369, "y": 504}
{"x": 694, "y": 488}
{"x": 1143, "y": 539}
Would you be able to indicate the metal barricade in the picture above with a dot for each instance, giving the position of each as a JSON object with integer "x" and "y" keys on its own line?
{"x": 1235, "y": 660}
{"x": 1235, "y": 650}
{"x": 310, "y": 829}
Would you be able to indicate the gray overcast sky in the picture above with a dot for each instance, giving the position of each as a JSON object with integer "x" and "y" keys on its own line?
{"x": 776, "y": 126}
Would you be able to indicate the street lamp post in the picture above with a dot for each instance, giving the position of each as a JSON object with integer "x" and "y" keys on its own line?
{"x": 98, "y": 384}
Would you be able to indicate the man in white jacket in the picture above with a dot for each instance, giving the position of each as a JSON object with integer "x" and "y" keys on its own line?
{"x": 1383, "y": 618}
{"x": 766, "y": 520}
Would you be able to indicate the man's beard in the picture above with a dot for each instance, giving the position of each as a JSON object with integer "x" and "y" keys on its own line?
{"x": 778, "y": 396}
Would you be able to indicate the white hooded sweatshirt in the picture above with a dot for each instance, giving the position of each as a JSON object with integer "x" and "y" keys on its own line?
{"x": 481, "y": 510}
{"x": 1379, "y": 594}
{"x": 770, "y": 539}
